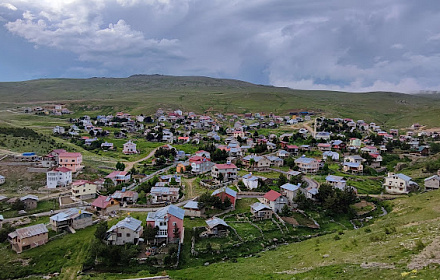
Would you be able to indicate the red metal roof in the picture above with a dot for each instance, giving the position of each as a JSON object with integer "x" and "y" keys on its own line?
{"x": 225, "y": 166}
{"x": 272, "y": 195}
{"x": 62, "y": 169}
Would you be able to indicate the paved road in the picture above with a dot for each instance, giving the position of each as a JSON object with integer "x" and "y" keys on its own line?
{"x": 146, "y": 178}
{"x": 311, "y": 183}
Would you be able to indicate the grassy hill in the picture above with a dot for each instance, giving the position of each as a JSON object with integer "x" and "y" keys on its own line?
{"x": 145, "y": 93}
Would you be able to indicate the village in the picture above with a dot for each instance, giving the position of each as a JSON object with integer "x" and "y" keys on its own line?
{"x": 204, "y": 188}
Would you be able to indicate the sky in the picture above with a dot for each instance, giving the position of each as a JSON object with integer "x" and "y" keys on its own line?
{"x": 348, "y": 45}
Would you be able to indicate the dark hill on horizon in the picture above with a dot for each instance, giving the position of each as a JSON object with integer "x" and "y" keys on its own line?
{"x": 145, "y": 93}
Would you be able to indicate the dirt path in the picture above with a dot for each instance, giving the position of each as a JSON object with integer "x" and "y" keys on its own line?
{"x": 190, "y": 187}
{"x": 129, "y": 165}
{"x": 429, "y": 255}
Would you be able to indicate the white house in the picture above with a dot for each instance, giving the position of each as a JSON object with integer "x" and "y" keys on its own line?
{"x": 399, "y": 184}
{"x": 275, "y": 200}
{"x": 58, "y": 177}
{"x": 2, "y": 179}
{"x": 307, "y": 165}
{"x": 432, "y": 183}
{"x": 250, "y": 181}
{"x": 129, "y": 148}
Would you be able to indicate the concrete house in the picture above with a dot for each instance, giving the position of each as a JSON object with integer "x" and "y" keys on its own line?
{"x": 71, "y": 219}
{"x": 399, "y": 184}
{"x": 250, "y": 181}
{"x": 256, "y": 162}
{"x": 290, "y": 191}
{"x": 58, "y": 177}
{"x": 336, "y": 181}
{"x": 261, "y": 211}
{"x": 200, "y": 165}
{"x": 164, "y": 194}
{"x": 119, "y": 177}
{"x": 83, "y": 189}
{"x": 70, "y": 160}
{"x": 228, "y": 171}
{"x": 307, "y": 165}
{"x": 124, "y": 196}
{"x": 275, "y": 200}
{"x": 28, "y": 237}
{"x": 169, "y": 220}
{"x": 129, "y": 230}
{"x": 129, "y": 148}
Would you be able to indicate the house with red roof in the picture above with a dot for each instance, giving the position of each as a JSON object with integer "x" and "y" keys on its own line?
{"x": 224, "y": 172}
{"x": 275, "y": 200}
{"x": 58, "y": 177}
{"x": 105, "y": 205}
{"x": 203, "y": 153}
{"x": 119, "y": 177}
{"x": 200, "y": 165}
{"x": 70, "y": 160}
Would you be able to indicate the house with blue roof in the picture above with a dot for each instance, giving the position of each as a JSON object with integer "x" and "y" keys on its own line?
{"x": 307, "y": 165}
{"x": 169, "y": 222}
{"x": 290, "y": 191}
{"x": 71, "y": 219}
{"x": 399, "y": 184}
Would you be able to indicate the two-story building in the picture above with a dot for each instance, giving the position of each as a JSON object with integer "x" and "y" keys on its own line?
{"x": 28, "y": 237}
{"x": 129, "y": 148}
{"x": 261, "y": 211}
{"x": 71, "y": 219}
{"x": 164, "y": 194}
{"x": 224, "y": 193}
{"x": 275, "y": 200}
{"x": 83, "y": 189}
{"x": 290, "y": 191}
{"x": 169, "y": 221}
{"x": 127, "y": 231}
{"x": 119, "y": 177}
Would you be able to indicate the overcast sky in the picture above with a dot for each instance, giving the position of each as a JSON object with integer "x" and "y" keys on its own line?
{"x": 374, "y": 45}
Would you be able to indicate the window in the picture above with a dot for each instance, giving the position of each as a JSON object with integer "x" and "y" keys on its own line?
{"x": 128, "y": 235}
{"x": 174, "y": 223}
{"x": 119, "y": 234}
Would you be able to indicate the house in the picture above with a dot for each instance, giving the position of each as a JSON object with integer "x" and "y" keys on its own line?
{"x": 107, "y": 146}
{"x": 200, "y": 165}
{"x": 292, "y": 149}
{"x": 224, "y": 172}
{"x": 182, "y": 166}
{"x": 193, "y": 209}
{"x": 164, "y": 194}
{"x": 58, "y": 130}
{"x": 250, "y": 181}
{"x": 1, "y": 221}
{"x": 70, "y": 160}
{"x": 224, "y": 193}
{"x": 307, "y": 165}
{"x": 129, "y": 148}
{"x": 171, "y": 179}
{"x": 105, "y": 205}
{"x": 83, "y": 189}
{"x": 119, "y": 177}
{"x": 290, "y": 191}
{"x": 432, "y": 183}
{"x": 369, "y": 149}
{"x": 275, "y": 200}
{"x": 127, "y": 231}
{"x": 332, "y": 155}
{"x": 311, "y": 193}
{"x": 275, "y": 161}
{"x": 336, "y": 181}
{"x": 283, "y": 154}
{"x": 261, "y": 211}
{"x": 399, "y": 184}
{"x": 322, "y": 135}
{"x": 352, "y": 167}
{"x": 169, "y": 221}
{"x": 377, "y": 159}
{"x": 2, "y": 179}
{"x": 292, "y": 173}
{"x": 256, "y": 162}
{"x": 124, "y": 196}
{"x": 355, "y": 143}
{"x": 203, "y": 153}
{"x": 324, "y": 146}
{"x": 58, "y": 177}
{"x": 28, "y": 237}
{"x": 30, "y": 201}
{"x": 69, "y": 219}
{"x": 423, "y": 150}
{"x": 217, "y": 227}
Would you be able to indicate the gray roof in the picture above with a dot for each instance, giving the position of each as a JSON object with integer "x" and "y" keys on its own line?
{"x": 29, "y": 231}
{"x": 229, "y": 191}
{"x": 68, "y": 214}
{"x": 352, "y": 164}
{"x": 273, "y": 158}
{"x": 304, "y": 159}
{"x": 313, "y": 191}
{"x": 214, "y": 221}
{"x": 290, "y": 187}
{"x": 164, "y": 190}
{"x": 257, "y": 206}
{"x": 403, "y": 177}
{"x": 333, "y": 178}
{"x": 192, "y": 205}
{"x": 128, "y": 222}
{"x": 29, "y": 196}
{"x": 436, "y": 177}
{"x": 170, "y": 209}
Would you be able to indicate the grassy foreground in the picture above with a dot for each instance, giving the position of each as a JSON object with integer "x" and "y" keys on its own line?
{"x": 386, "y": 249}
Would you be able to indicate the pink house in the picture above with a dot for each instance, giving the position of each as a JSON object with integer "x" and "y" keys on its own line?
{"x": 70, "y": 160}
{"x": 169, "y": 221}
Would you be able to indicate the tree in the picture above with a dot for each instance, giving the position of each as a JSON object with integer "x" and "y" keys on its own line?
{"x": 120, "y": 166}
{"x": 150, "y": 232}
{"x": 227, "y": 203}
{"x": 101, "y": 230}
{"x": 18, "y": 205}
{"x": 281, "y": 180}
{"x": 285, "y": 211}
{"x": 176, "y": 231}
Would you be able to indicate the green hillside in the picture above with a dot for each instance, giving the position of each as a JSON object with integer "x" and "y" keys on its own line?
{"x": 145, "y": 93}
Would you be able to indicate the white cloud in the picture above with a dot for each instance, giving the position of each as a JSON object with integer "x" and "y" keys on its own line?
{"x": 8, "y": 6}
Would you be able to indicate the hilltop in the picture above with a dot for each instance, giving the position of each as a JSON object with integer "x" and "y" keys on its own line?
{"x": 144, "y": 93}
